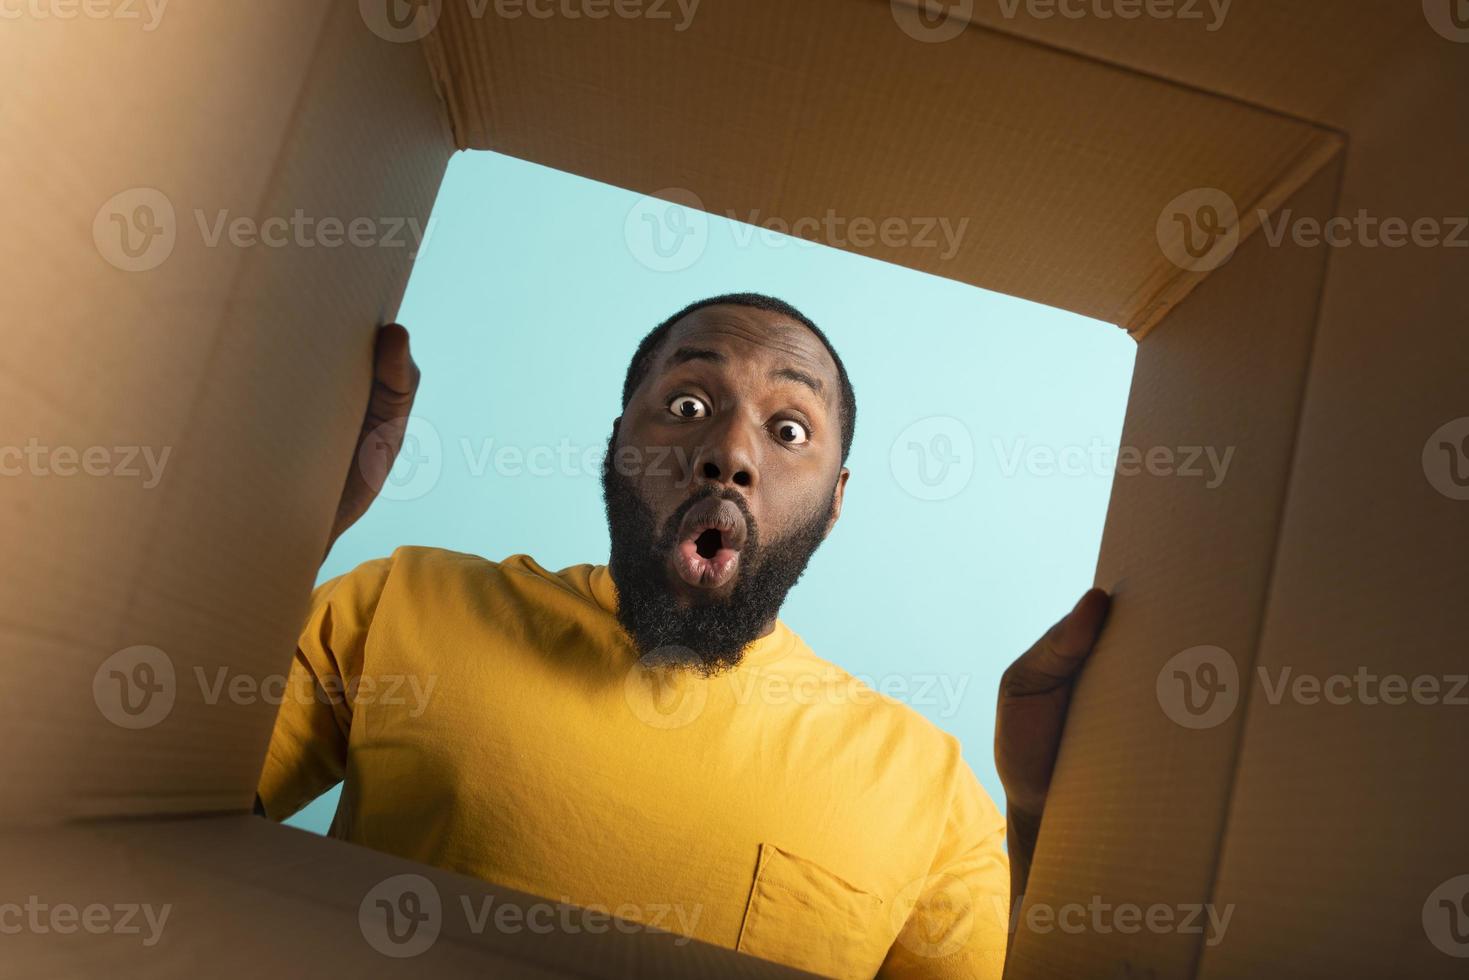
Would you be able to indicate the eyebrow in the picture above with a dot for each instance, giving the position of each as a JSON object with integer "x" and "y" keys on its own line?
{"x": 684, "y": 355}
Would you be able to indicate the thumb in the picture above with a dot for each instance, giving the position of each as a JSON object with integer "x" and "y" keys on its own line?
{"x": 394, "y": 373}
{"x": 1056, "y": 657}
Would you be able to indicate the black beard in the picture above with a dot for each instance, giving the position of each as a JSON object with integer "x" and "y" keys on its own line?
{"x": 707, "y": 636}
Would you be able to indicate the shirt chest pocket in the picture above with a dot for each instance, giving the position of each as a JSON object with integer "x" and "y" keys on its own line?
{"x": 803, "y": 915}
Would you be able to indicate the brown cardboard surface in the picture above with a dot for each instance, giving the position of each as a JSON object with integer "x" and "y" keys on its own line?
{"x": 1328, "y": 547}
{"x": 1348, "y": 818}
{"x": 1137, "y": 806}
{"x": 246, "y": 364}
{"x": 1061, "y": 165}
{"x": 1305, "y": 59}
{"x": 244, "y": 897}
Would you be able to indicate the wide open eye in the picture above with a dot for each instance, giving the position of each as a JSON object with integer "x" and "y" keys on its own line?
{"x": 791, "y": 433}
{"x": 688, "y": 407}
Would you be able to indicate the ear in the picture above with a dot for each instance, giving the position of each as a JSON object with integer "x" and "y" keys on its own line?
{"x": 836, "y": 501}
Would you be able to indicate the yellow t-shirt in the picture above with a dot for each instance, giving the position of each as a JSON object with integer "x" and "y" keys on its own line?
{"x": 496, "y": 722}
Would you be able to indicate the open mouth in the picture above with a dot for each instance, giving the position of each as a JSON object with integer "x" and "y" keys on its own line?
{"x": 707, "y": 555}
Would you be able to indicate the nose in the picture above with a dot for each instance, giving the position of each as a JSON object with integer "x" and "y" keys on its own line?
{"x": 728, "y": 456}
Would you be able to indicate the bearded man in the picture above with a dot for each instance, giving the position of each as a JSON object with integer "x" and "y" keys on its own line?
{"x": 624, "y": 735}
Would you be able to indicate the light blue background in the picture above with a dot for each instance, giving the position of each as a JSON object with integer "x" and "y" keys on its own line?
{"x": 526, "y": 302}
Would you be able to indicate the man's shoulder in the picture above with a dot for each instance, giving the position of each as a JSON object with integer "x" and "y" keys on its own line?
{"x": 875, "y": 701}
{"x": 898, "y": 745}
{"x": 443, "y": 571}
{"x": 428, "y": 559}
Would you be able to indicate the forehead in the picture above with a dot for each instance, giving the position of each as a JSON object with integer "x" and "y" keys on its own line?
{"x": 745, "y": 335}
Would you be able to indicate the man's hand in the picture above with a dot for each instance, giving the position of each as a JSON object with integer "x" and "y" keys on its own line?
{"x": 394, "y": 385}
{"x": 1034, "y": 694}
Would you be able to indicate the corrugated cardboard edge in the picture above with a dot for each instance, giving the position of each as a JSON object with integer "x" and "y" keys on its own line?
{"x": 249, "y": 897}
{"x": 1170, "y": 285}
{"x": 1139, "y": 799}
{"x": 449, "y": 95}
{"x": 238, "y": 116}
{"x": 1352, "y": 590}
{"x": 466, "y": 55}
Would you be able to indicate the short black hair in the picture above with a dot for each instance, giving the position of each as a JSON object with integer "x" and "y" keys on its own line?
{"x": 642, "y": 359}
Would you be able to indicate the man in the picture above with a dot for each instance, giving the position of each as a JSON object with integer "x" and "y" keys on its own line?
{"x": 625, "y": 735}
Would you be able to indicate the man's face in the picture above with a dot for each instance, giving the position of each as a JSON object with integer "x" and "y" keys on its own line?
{"x": 722, "y": 477}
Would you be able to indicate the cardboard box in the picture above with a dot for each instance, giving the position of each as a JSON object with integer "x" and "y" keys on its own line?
{"x": 1081, "y": 149}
